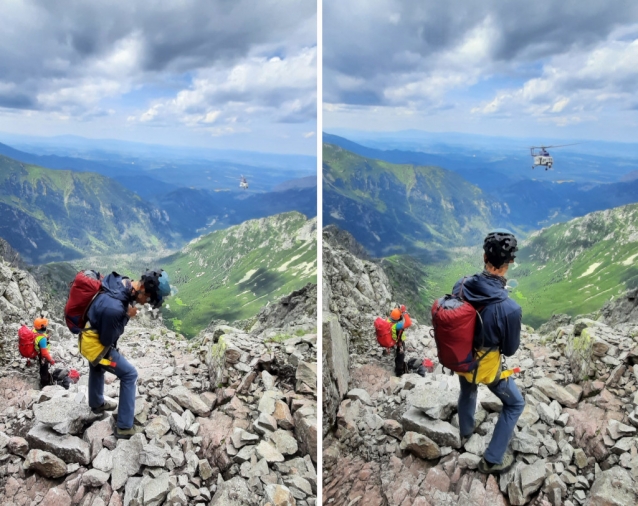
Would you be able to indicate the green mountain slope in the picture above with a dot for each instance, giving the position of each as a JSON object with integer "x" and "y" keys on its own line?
{"x": 572, "y": 267}
{"x": 230, "y": 274}
{"x": 391, "y": 208}
{"x": 51, "y": 215}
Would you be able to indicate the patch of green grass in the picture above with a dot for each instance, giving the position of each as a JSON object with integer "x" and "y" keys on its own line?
{"x": 279, "y": 338}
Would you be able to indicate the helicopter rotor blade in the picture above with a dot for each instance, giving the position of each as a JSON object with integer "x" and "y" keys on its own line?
{"x": 561, "y": 145}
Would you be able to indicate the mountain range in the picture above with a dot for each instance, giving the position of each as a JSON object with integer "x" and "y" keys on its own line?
{"x": 391, "y": 208}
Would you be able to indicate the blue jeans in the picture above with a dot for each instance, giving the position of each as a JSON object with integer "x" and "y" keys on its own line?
{"x": 513, "y": 405}
{"x": 128, "y": 381}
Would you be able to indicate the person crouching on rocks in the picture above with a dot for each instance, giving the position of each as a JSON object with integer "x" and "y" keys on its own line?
{"x": 107, "y": 316}
{"x": 42, "y": 343}
{"x": 500, "y": 334}
{"x": 400, "y": 321}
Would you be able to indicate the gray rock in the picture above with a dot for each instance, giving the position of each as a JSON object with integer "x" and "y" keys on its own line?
{"x": 176, "y": 498}
{"x": 153, "y": 456}
{"x": 554, "y": 391}
{"x": 477, "y": 444}
{"x": 233, "y": 492}
{"x": 177, "y": 424}
{"x": 189, "y": 400}
{"x": 156, "y": 490}
{"x": 433, "y": 400}
{"x": 68, "y": 448}
{"x": 45, "y": 463}
{"x": 103, "y": 461}
{"x": 525, "y": 443}
{"x": 267, "y": 451}
{"x": 306, "y": 374}
{"x": 285, "y": 442}
{"x": 157, "y": 427}
{"x": 126, "y": 460}
{"x": 442, "y": 433}
{"x": 94, "y": 478}
{"x": 64, "y": 415}
{"x": 468, "y": 460}
{"x": 336, "y": 375}
{"x": 96, "y": 434}
{"x": 361, "y": 394}
{"x": 306, "y": 430}
{"x": 546, "y": 413}
{"x": 532, "y": 477}
{"x": 279, "y": 495}
{"x": 614, "y": 487}
{"x": 267, "y": 402}
{"x": 422, "y": 446}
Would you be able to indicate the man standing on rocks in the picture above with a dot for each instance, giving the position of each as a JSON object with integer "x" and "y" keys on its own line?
{"x": 497, "y": 333}
{"x": 108, "y": 315}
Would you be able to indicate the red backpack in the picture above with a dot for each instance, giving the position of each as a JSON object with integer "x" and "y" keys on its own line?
{"x": 383, "y": 329}
{"x": 453, "y": 324}
{"x": 84, "y": 288}
{"x": 26, "y": 342}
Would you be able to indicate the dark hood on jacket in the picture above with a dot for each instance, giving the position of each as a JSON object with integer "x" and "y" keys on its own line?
{"x": 483, "y": 289}
{"x": 112, "y": 285}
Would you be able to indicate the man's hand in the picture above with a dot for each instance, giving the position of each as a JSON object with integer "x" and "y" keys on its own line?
{"x": 132, "y": 311}
{"x": 403, "y": 308}
{"x": 51, "y": 361}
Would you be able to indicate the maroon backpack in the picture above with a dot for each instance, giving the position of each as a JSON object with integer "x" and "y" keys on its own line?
{"x": 453, "y": 325}
{"x": 84, "y": 288}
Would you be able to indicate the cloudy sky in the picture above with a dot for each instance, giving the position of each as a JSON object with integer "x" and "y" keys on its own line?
{"x": 543, "y": 68}
{"x": 237, "y": 74}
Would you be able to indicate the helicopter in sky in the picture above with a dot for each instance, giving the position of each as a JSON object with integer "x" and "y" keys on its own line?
{"x": 542, "y": 157}
{"x": 243, "y": 183}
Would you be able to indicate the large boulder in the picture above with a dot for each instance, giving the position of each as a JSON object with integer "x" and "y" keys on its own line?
{"x": 306, "y": 430}
{"x": 434, "y": 401}
{"x": 422, "y": 446}
{"x": 126, "y": 460}
{"x": 189, "y": 400}
{"x": 614, "y": 487}
{"x": 70, "y": 449}
{"x": 442, "y": 433}
{"x": 336, "y": 375}
{"x": 64, "y": 415}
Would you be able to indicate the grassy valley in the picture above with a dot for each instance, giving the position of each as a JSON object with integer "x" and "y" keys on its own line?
{"x": 572, "y": 267}
{"x": 391, "y": 208}
{"x": 230, "y": 274}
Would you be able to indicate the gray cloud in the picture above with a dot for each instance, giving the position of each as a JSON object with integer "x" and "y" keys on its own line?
{"x": 407, "y": 52}
{"x": 68, "y": 55}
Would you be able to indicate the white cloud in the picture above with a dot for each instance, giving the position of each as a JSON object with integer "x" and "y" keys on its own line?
{"x": 280, "y": 89}
{"x": 574, "y": 87}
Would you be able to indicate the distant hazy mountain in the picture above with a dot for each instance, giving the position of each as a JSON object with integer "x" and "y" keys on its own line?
{"x": 52, "y": 215}
{"x": 230, "y": 274}
{"x": 391, "y": 208}
{"x": 302, "y": 182}
{"x": 195, "y": 211}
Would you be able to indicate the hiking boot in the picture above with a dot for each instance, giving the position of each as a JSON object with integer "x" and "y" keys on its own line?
{"x": 124, "y": 433}
{"x": 487, "y": 468}
{"x": 107, "y": 405}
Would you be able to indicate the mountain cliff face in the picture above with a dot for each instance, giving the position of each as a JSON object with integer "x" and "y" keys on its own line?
{"x": 393, "y": 208}
{"x": 229, "y": 274}
{"x": 53, "y": 215}
{"x": 395, "y": 441}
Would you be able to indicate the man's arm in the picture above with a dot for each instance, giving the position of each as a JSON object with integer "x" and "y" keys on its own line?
{"x": 511, "y": 332}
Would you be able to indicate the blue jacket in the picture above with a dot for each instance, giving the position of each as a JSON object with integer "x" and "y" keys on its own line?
{"x": 501, "y": 315}
{"x": 108, "y": 314}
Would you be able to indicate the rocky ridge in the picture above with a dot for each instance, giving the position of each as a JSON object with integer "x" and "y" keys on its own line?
{"x": 395, "y": 441}
{"x": 227, "y": 418}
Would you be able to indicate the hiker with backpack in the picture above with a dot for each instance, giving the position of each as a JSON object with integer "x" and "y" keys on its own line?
{"x": 473, "y": 328}
{"x": 98, "y": 310}
{"x": 391, "y": 334}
